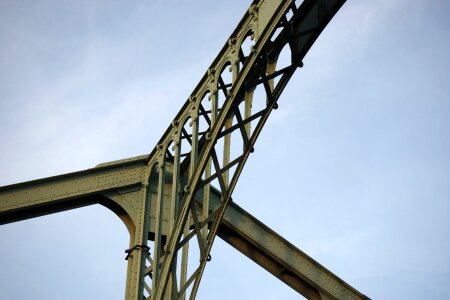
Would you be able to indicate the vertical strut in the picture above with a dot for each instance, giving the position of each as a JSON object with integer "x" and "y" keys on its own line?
{"x": 138, "y": 251}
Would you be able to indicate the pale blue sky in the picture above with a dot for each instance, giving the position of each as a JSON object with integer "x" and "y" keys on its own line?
{"x": 353, "y": 168}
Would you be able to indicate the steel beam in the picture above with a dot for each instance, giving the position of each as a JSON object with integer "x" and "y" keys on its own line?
{"x": 167, "y": 197}
{"x": 281, "y": 258}
{"x": 58, "y": 193}
{"x": 115, "y": 185}
{"x": 274, "y": 25}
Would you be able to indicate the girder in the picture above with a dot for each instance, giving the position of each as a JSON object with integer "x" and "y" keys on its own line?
{"x": 54, "y": 194}
{"x": 279, "y": 257}
{"x": 238, "y": 117}
{"x": 183, "y": 189}
{"x": 238, "y": 228}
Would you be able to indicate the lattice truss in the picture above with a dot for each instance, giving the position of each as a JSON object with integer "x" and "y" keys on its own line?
{"x": 204, "y": 150}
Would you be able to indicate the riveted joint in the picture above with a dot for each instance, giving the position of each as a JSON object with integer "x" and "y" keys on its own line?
{"x": 211, "y": 72}
{"x": 253, "y": 10}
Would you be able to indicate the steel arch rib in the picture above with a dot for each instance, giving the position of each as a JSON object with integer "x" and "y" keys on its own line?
{"x": 259, "y": 69}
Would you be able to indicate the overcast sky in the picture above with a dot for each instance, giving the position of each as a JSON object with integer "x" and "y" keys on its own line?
{"x": 353, "y": 168}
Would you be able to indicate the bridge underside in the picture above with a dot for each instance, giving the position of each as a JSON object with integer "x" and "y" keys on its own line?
{"x": 118, "y": 186}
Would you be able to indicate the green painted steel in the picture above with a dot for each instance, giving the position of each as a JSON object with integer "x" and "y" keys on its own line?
{"x": 177, "y": 199}
{"x": 238, "y": 228}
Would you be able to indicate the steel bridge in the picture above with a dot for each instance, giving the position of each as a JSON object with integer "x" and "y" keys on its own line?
{"x": 176, "y": 200}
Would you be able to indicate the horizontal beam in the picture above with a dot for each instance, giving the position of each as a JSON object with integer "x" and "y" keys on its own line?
{"x": 58, "y": 193}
